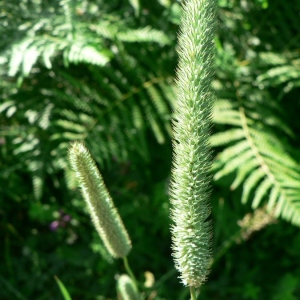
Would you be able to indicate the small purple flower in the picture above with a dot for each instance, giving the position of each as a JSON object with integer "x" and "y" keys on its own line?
{"x": 62, "y": 221}
{"x": 54, "y": 225}
{"x": 67, "y": 218}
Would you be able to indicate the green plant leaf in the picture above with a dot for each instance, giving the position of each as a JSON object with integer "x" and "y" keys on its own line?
{"x": 63, "y": 289}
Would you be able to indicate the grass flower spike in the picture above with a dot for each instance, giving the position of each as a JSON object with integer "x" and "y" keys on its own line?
{"x": 103, "y": 212}
{"x": 190, "y": 184}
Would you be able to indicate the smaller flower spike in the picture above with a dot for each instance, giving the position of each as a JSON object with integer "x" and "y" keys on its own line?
{"x": 103, "y": 212}
{"x": 127, "y": 288}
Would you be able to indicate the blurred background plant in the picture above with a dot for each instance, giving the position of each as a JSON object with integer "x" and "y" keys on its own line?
{"x": 103, "y": 72}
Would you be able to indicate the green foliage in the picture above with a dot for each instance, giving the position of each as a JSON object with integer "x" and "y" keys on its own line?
{"x": 66, "y": 27}
{"x": 121, "y": 108}
{"x": 110, "y": 108}
{"x": 63, "y": 289}
{"x": 256, "y": 154}
{"x": 287, "y": 288}
{"x": 257, "y": 138}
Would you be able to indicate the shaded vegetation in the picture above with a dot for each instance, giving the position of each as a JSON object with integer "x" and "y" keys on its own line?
{"x": 103, "y": 72}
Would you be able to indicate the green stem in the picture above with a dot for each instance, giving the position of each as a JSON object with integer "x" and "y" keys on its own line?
{"x": 226, "y": 245}
{"x": 193, "y": 293}
{"x": 129, "y": 271}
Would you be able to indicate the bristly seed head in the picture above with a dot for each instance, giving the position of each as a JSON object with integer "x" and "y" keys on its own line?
{"x": 104, "y": 214}
{"x": 190, "y": 184}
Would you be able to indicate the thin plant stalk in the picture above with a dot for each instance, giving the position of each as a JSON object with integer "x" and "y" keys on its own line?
{"x": 129, "y": 271}
{"x": 193, "y": 293}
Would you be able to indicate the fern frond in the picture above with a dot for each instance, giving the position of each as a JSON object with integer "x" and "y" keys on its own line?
{"x": 106, "y": 107}
{"x": 146, "y": 34}
{"x": 76, "y": 39}
{"x": 136, "y": 6}
{"x": 131, "y": 102}
{"x": 129, "y": 35}
{"x": 258, "y": 157}
{"x": 26, "y": 53}
{"x": 29, "y": 148}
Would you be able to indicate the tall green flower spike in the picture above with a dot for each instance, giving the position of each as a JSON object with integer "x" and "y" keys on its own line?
{"x": 103, "y": 212}
{"x": 190, "y": 183}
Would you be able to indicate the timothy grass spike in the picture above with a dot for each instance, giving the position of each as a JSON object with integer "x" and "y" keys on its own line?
{"x": 127, "y": 288}
{"x": 104, "y": 214}
{"x": 190, "y": 184}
